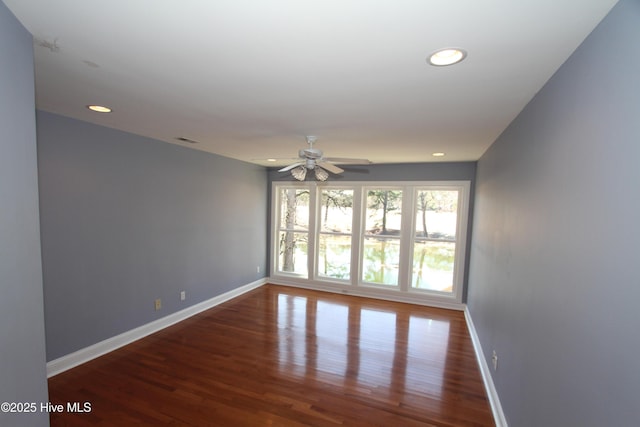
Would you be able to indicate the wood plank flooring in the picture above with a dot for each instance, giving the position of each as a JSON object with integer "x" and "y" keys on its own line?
{"x": 280, "y": 356}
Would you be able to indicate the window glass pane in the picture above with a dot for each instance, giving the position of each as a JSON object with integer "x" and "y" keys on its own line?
{"x": 380, "y": 260}
{"x": 433, "y": 265}
{"x": 436, "y": 214}
{"x": 292, "y": 249}
{"x": 336, "y": 211}
{"x": 384, "y": 212}
{"x": 334, "y": 256}
{"x": 294, "y": 209}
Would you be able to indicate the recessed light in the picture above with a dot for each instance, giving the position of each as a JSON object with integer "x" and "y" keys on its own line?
{"x": 438, "y": 154}
{"x": 99, "y": 108}
{"x": 271, "y": 160}
{"x": 447, "y": 56}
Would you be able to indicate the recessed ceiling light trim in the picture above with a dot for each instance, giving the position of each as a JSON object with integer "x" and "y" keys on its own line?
{"x": 447, "y": 56}
{"x": 438, "y": 154}
{"x": 99, "y": 108}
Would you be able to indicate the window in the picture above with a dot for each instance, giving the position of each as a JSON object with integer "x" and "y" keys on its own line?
{"x": 401, "y": 240}
{"x": 293, "y": 230}
{"x": 381, "y": 248}
{"x": 434, "y": 237}
{"x": 336, "y": 220}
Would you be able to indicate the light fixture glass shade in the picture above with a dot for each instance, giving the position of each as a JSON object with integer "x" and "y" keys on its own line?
{"x": 299, "y": 173}
{"x": 448, "y": 56}
{"x": 321, "y": 174}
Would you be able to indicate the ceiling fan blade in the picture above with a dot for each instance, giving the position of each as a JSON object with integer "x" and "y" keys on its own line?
{"x": 347, "y": 160}
{"x": 278, "y": 159}
{"x": 330, "y": 167}
{"x": 288, "y": 168}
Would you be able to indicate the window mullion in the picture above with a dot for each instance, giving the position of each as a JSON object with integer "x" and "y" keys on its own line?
{"x": 314, "y": 228}
{"x": 275, "y": 229}
{"x": 406, "y": 244}
{"x": 356, "y": 238}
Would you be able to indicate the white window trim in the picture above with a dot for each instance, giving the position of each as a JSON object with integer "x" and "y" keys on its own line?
{"x": 404, "y": 292}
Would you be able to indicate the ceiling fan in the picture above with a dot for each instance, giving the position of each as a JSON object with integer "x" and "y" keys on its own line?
{"x": 312, "y": 159}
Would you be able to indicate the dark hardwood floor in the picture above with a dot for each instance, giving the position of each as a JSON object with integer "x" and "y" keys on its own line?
{"x": 280, "y": 356}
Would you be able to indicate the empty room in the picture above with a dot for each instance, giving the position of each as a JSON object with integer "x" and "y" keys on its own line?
{"x": 319, "y": 213}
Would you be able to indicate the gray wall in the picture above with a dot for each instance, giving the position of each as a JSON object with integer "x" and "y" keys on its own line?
{"x": 22, "y": 345}
{"x": 554, "y": 280}
{"x": 126, "y": 220}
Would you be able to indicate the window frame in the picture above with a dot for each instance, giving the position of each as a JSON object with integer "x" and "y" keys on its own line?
{"x": 462, "y": 218}
{"x": 318, "y": 232}
{"x": 404, "y": 291}
{"x": 276, "y": 229}
{"x": 363, "y": 235}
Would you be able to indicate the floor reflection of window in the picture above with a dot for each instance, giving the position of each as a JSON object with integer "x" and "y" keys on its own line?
{"x": 292, "y": 316}
{"x": 377, "y": 335}
{"x": 389, "y": 353}
{"x": 426, "y": 355}
{"x": 331, "y": 331}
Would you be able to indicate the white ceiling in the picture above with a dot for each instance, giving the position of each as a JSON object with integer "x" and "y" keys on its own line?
{"x": 249, "y": 79}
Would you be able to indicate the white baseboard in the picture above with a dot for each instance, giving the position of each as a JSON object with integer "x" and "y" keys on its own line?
{"x": 492, "y": 394}
{"x": 86, "y": 354}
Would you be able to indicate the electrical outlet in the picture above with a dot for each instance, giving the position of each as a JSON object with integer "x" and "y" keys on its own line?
{"x": 258, "y": 269}
{"x": 494, "y": 360}
{"x": 183, "y": 295}
{"x": 158, "y": 304}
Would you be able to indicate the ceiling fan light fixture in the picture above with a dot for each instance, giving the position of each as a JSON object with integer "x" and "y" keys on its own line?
{"x": 447, "y": 56}
{"x": 321, "y": 174}
{"x": 299, "y": 173}
{"x": 313, "y": 159}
